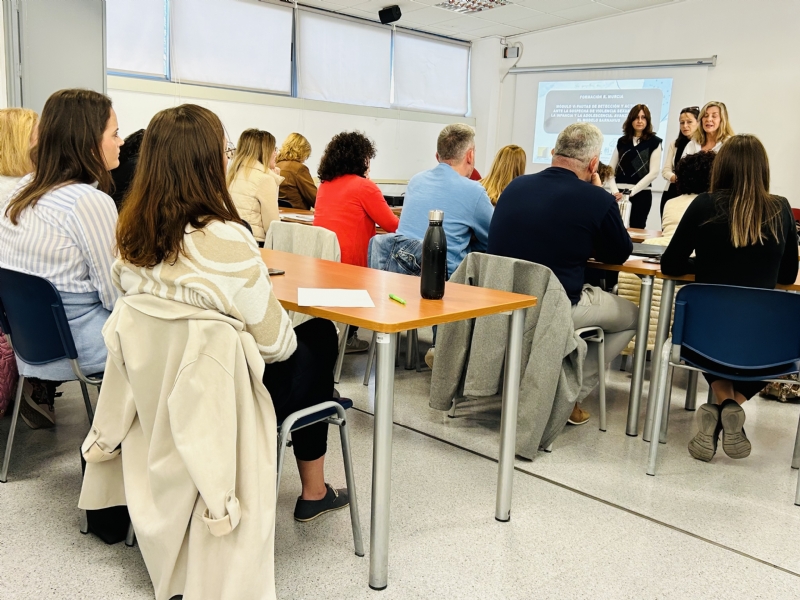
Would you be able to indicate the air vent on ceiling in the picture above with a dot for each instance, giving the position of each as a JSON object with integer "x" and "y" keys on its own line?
{"x": 469, "y": 7}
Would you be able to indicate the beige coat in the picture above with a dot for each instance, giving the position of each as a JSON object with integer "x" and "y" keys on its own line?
{"x": 255, "y": 194}
{"x": 183, "y": 398}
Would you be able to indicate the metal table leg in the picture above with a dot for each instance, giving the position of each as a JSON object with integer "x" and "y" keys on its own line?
{"x": 508, "y": 420}
{"x": 691, "y": 391}
{"x": 639, "y": 355}
{"x": 382, "y": 462}
{"x": 662, "y": 333}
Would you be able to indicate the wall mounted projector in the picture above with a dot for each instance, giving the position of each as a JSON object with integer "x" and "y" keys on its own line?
{"x": 390, "y": 14}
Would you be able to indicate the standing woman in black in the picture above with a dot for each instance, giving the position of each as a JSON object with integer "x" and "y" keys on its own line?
{"x": 688, "y": 125}
{"x": 741, "y": 235}
{"x": 636, "y": 162}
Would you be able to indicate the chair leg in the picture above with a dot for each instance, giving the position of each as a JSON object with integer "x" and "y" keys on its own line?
{"x": 623, "y": 363}
{"x": 337, "y": 373}
{"x": 797, "y": 492}
{"x": 415, "y": 344}
{"x": 691, "y": 391}
{"x": 409, "y": 349}
{"x": 370, "y": 358}
{"x": 282, "y": 440}
{"x": 452, "y": 412}
{"x": 84, "y": 522}
{"x": 344, "y": 434}
{"x": 659, "y": 399}
{"x": 601, "y": 362}
{"x": 711, "y": 399}
{"x": 796, "y": 454}
{"x": 87, "y": 402}
{"x": 11, "y": 430}
{"x": 667, "y": 401}
{"x": 130, "y": 539}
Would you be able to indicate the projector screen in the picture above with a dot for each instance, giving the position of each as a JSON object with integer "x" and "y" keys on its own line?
{"x": 605, "y": 103}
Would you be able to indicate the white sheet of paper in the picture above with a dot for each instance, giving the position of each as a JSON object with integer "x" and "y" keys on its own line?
{"x": 334, "y": 297}
{"x": 298, "y": 217}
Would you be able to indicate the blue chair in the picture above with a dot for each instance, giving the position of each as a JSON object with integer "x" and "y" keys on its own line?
{"x": 332, "y": 412}
{"x": 741, "y": 334}
{"x": 32, "y": 317}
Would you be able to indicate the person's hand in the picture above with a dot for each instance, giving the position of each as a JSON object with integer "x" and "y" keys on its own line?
{"x": 596, "y": 180}
{"x": 673, "y": 179}
{"x": 618, "y": 196}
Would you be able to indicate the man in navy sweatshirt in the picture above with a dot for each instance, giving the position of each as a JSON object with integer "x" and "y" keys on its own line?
{"x": 560, "y": 218}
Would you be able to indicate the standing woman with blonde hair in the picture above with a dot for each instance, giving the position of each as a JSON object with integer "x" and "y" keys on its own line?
{"x": 298, "y": 188}
{"x": 17, "y": 132}
{"x": 508, "y": 164}
{"x": 741, "y": 235}
{"x": 715, "y": 129}
{"x": 253, "y": 181}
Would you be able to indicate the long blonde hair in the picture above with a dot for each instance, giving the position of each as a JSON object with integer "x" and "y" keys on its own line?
{"x": 725, "y": 130}
{"x": 741, "y": 176}
{"x": 16, "y": 129}
{"x": 295, "y": 147}
{"x": 509, "y": 163}
{"x": 254, "y": 146}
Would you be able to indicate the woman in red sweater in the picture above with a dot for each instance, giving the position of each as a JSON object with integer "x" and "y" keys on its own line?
{"x": 348, "y": 202}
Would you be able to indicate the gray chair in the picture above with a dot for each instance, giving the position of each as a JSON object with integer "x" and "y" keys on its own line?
{"x": 332, "y": 412}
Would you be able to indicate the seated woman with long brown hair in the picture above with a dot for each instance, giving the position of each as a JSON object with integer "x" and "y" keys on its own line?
{"x": 741, "y": 235}
{"x": 181, "y": 238}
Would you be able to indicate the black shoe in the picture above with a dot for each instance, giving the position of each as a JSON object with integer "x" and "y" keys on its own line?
{"x": 308, "y": 510}
{"x": 703, "y": 446}
{"x": 734, "y": 440}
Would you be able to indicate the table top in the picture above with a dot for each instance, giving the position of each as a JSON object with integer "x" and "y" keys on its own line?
{"x": 640, "y": 235}
{"x": 460, "y": 301}
{"x": 639, "y": 267}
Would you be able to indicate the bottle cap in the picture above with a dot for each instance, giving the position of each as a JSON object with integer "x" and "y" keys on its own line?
{"x": 436, "y": 215}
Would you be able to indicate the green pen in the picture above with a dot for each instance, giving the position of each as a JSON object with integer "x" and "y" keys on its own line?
{"x": 397, "y": 299}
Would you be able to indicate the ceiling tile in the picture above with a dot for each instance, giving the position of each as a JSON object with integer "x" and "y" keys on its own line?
{"x": 507, "y": 14}
{"x": 585, "y": 13}
{"x": 633, "y": 4}
{"x": 337, "y": 4}
{"x": 361, "y": 14}
{"x": 543, "y": 21}
{"x": 427, "y": 16}
{"x": 373, "y": 6}
{"x": 553, "y": 6}
{"x": 463, "y": 23}
{"x": 498, "y": 29}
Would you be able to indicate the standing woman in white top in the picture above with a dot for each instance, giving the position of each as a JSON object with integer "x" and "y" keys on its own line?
{"x": 688, "y": 121}
{"x": 17, "y": 132}
{"x": 60, "y": 223}
{"x": 714, "y": 130}
{"x": 636, "y": 162}
{"x": 254, "y": 180}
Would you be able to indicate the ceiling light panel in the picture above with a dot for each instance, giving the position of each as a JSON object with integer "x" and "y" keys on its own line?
{"x": 469, "y": 7}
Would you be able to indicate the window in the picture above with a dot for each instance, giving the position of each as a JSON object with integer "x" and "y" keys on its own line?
{"x": 430, "y": 75}
{"x": 232, "y": 43}
{"x": 136, "y": 36}
{"x": 340, "y": 60}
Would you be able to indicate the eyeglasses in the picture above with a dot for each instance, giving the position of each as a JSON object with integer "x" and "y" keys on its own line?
{"x": 230, "y": 150}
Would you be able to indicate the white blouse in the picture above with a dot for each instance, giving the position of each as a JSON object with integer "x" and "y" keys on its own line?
{"x": 693, "y": 148}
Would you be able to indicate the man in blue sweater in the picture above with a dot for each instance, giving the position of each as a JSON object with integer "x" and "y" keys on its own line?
{"x": 467, "y": 208}
{"x": 560, "y": 218}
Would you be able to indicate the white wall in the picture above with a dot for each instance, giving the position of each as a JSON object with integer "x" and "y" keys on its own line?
{"x": 757, "y": 74}
{"x": 406, "y": 141}
{"x": 3, "y": 94}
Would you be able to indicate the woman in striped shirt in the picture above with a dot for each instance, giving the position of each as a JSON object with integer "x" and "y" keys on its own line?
{"x": 181, "y": 238}
{"x": 59, "y": 224}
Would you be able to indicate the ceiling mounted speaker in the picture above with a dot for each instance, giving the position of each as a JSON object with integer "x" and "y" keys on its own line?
{"x": 390, "y": 14}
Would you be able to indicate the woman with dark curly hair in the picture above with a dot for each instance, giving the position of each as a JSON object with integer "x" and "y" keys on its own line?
{"x": 694, "y": 177}
{"x": 348, "y": 202}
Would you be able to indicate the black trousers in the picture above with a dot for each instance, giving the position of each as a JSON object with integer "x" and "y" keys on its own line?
{"x": 305, "y": 379}
{"x": 640, "y": 208}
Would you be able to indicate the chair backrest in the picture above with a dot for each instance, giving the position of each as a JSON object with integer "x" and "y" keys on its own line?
{"x": 32, "y": 314}
{"x": 305, "y": 240}
{"x": 741, "y": 327}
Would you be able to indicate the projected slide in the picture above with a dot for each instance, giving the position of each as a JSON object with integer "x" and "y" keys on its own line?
{"x": 605, "y": 103}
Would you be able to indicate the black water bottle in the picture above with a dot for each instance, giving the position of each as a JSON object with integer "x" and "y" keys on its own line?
{"x": 434, "y": 258}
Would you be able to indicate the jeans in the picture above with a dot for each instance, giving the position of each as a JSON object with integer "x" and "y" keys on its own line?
{"x": 396, "y": 254}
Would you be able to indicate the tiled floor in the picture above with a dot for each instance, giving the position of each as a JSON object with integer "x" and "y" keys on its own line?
{"x": 586, "y": 520}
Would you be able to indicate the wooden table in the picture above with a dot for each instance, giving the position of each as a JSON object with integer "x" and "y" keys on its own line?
{"x": 289, "y": 215}
{"x": 387, "y": 319}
